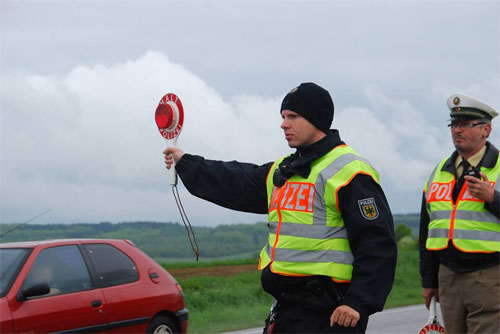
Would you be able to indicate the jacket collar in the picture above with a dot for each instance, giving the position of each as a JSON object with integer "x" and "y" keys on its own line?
{"x": 489, "y": 160}
{"x": 300, "y": 162}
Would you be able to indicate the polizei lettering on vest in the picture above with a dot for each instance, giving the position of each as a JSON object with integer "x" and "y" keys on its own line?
{"x": 293, "y": 196}
{"x": 442, "y": 192}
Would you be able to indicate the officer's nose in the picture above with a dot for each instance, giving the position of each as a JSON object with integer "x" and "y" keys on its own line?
{"x": 284, "y": 124}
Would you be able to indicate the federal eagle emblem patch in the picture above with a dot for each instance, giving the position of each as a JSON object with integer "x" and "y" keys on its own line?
{"x": 368, "y": 208}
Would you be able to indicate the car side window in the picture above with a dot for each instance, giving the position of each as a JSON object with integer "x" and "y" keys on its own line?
{"x": 112, "y": 266}
{"x": 62, "y": 268}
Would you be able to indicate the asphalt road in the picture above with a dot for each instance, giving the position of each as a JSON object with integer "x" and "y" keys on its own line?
{"x": 400, "y": 320}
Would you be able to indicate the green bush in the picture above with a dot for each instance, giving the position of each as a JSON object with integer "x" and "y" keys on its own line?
{"x": 402, "y": 231}
{"x": 407, "y": 243}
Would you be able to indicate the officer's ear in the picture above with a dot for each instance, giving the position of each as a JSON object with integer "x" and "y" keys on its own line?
{"x": 487, "y": 129}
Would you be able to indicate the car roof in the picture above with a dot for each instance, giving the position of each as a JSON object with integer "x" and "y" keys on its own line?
{"x": 60, "y": 242}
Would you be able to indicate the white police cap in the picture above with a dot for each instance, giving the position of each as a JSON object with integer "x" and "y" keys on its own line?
{"x": 466, "y": 107}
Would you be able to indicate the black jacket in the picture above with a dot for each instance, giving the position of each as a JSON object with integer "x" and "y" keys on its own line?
{"x": 451, "y": 257}
{"x": 242, "y": 186}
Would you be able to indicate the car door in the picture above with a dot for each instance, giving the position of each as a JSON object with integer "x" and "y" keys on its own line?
{"x": 72, "y": 304}
{"x": 128, "y": 304}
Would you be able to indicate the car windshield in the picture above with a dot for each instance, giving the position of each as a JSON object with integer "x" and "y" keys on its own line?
{"x": 11, "y": 261}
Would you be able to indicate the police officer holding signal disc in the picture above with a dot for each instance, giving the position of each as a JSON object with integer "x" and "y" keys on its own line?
{"x": 331, "y": 254}
{"x": 460, "y": 226}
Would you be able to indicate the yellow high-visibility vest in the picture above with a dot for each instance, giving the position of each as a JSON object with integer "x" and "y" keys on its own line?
{"x": 307, "y": 235}
{"x": 469, "y": 226}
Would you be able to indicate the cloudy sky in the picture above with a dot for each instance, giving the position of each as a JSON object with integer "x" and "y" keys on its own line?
{"x": 80, "y": 81}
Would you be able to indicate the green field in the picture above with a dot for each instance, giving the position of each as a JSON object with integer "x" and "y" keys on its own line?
{"x": 224, "y": 304}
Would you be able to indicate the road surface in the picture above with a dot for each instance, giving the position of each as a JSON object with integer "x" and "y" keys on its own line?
{"x": 400, "y": 320}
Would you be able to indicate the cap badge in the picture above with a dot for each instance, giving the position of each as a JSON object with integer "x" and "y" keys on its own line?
{"x": 456, "y": 100}
{"x": 293, "y": 90}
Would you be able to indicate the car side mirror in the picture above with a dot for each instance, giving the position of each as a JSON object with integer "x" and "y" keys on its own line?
{"x": 32, "y": 291}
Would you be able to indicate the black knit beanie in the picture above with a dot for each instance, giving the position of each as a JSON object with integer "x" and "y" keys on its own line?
{"x": 311, "y": 102}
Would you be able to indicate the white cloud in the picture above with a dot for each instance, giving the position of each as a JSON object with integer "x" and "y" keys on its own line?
{"x": 394, "y": 137}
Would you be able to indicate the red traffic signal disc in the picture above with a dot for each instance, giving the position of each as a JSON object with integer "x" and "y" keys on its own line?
{"x": 164, "y": 116}
{"x": 169, "y": 116}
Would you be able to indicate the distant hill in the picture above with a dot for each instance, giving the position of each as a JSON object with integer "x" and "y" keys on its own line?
{"x": 167, "y": 241}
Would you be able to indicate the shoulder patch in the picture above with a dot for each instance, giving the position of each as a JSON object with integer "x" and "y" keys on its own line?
{"x": 368, "y": 208}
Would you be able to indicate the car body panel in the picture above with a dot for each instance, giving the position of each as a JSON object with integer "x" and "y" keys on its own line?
{"x": 6, "y": 322}
{"x": 59, "y": 313}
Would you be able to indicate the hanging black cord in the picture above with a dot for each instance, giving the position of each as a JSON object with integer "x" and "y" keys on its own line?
{"x": 184, "y": 220}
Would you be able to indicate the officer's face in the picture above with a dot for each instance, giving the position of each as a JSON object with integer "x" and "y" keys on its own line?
{"x": 299, "y": 132}
{"x": 468, "y": 140}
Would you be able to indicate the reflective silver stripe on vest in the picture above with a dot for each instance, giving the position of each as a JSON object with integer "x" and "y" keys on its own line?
{"x": 268, "y": 250}
{"x": 438, "y": 233}
{"x": 328, "y": 172}
{"x": 465, "y": 215}
{"x": 445, "y": 214}
{"x": 323, "y": 256}
{"x": 476, "y": 235}
{"x": 308, "y": 231}
{"x": 485, "y": 217}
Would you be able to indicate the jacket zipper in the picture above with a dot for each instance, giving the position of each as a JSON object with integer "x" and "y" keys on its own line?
{"x": 454, "y": 210}
{"x": 452, "y": 222}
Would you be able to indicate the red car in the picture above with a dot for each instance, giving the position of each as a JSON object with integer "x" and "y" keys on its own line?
{"x": 86, "y": 285}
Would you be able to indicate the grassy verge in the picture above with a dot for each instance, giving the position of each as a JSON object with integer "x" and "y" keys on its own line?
{"x": 407, "y": 289}
{"x": 207, "y": 263}
{"x": 220, "y": 304}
